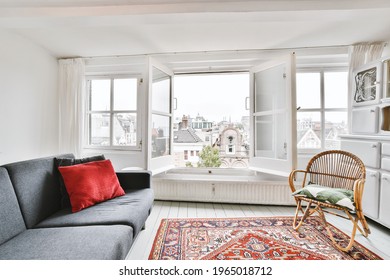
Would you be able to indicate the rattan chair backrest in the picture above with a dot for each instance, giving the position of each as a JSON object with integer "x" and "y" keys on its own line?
{"x": 335, "y": 169}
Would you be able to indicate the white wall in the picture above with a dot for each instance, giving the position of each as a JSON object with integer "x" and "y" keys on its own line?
{"x": 28, "y": 100}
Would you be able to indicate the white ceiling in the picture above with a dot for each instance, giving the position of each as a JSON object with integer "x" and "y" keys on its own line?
{"x": 89, "y": 28}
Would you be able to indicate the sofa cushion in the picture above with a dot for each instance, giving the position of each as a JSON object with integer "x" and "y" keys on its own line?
{"x": 63, "y": 161}
{"x": 70, "y": 243}
{"x": 131, "y": 209}
{"x": 134, "y": 180}
{"x": 11, "y": 219}
{"x": 90, "y": 183}
{"x": 37, "y": 189}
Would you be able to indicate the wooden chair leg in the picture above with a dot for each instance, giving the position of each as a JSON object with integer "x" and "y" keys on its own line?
{"x": 355, "y": 222}
{"x": 306, "y": 214}
{"x": 364, "y": 223}
{"x": 352, "y": 237}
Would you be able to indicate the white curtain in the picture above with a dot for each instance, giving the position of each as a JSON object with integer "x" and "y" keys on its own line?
{"x": 363, "y": 53}
{"x": 357, "y": 56}
{"x": 375, "y": 51}
{"x": 71, "y": 82}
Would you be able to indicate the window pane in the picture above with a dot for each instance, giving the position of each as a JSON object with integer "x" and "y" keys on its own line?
{"x": 309, "y": 90}
{"x": 160, "y": 135}
{"x": 100, "y": 95}
{"x": 263, "y": 127}
{"x": 335, "y": 124}
{"x": 270, "y": 89}
{"x": 270, "y": 140}
{"x": 100, "y": 129}
{"x": 125, "y": 94}
{"x": 125, "y": 130}
{"x": 336, "y": 89}
{"x": 308, "y": 130}
{"x": 161, "y": 91}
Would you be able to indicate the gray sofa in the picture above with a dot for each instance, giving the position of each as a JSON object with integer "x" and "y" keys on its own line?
{"x": 34, "y": 225}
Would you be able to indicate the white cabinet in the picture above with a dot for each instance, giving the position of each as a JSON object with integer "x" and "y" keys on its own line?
{"x": 384, "y": 208}
{"x": 370, "y": 135}
{"x": 368, "y": 151}
{"x": 365, "y": 120}
{"x": 385, "y": 163}
{"x": 371, "y": 194}
{"x": 374, "y": 151}
{"x": 386, "y": 149}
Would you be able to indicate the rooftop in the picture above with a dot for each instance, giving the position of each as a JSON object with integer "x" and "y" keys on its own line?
{"x": 186, "y": 136}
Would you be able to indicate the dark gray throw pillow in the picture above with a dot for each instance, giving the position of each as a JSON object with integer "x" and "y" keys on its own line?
{"x": 65, "y": 201}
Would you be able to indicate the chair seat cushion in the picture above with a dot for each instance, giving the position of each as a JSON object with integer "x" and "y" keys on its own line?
{"x": 336, "y": 196}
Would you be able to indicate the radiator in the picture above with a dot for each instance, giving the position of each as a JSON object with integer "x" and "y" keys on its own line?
{"x": 266, "y": 192}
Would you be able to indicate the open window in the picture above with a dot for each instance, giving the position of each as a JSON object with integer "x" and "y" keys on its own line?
{"x": 273, "y": 117}
{"x": 159, "y": 118}
{"x": 210, "y": 112}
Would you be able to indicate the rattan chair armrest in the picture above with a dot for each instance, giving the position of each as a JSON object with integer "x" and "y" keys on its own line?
{"x": 358, "y": 189}
{"x": 292, "y": 178}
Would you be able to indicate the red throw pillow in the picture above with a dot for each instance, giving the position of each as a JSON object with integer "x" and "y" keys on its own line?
{"x": 90, "y": 183}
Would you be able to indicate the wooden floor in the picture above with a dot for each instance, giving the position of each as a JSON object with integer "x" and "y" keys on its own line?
{"x": 378, "y": 241}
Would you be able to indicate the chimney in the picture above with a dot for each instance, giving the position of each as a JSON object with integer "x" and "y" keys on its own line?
{"x": 184, "y": 122}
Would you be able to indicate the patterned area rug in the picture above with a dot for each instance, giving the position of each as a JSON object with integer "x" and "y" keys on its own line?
{"x": 265, "y": 238}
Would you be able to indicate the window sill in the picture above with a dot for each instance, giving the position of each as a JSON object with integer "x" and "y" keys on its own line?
{"x": 217, "y": 175}
{"x": 115, "y": 150}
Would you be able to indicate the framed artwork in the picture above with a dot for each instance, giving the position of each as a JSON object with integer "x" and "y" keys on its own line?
{"x": 367, "y": 84}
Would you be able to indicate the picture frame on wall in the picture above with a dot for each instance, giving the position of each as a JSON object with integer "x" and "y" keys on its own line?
{"x": 367, "y": 87}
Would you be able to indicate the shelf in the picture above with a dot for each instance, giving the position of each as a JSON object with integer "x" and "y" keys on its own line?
{"x": 385, "y": 118}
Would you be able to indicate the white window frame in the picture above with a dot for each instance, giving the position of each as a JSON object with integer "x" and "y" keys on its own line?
{"x": 268, "y": 162}
{"x": 165, "y": 162}
{"x": 322, "y": 110}
{"x": 112, "y": 112}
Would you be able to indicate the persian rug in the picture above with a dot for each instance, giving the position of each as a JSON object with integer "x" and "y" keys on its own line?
{"x": 263, "y": 238}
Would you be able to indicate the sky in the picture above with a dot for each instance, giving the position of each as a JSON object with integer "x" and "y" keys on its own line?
{"x": 213, "y": 96}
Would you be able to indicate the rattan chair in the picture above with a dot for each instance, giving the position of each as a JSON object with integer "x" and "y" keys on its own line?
{"x": 328, "y": 172}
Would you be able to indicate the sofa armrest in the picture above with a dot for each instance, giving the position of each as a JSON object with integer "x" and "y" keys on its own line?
{"x": 133, "y": 180}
